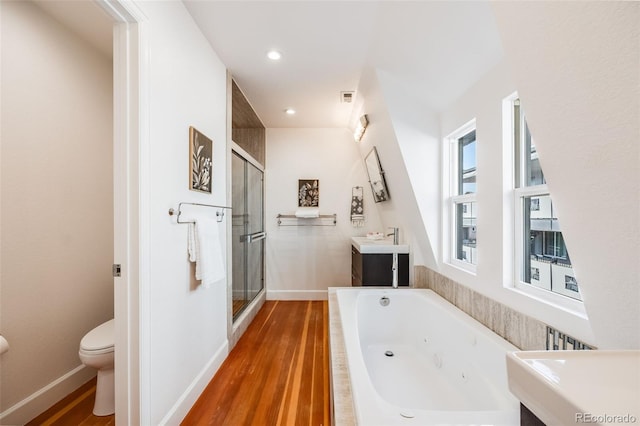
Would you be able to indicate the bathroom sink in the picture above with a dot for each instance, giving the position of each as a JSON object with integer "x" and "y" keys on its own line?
{"x": 569, "y": 387}
{"x": 383, "y": 246}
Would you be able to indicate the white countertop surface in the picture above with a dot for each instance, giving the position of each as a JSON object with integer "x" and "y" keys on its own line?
{"x": 557, "y": 386}
{"x": 385, "y": 246}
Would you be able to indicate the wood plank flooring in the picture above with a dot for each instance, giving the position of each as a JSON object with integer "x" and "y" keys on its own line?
{"x": 278, "y": 373}
{"x": 76, "y": 409}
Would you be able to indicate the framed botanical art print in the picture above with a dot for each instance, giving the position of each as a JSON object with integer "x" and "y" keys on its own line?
{"x": 308, "y": 193}
{"x": 201, "y": 161}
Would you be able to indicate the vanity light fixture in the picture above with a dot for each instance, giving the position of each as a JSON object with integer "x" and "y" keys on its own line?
{"x": 363, "y": 122}
{"x": 290, "y": 111}
{"x": 274, "y": 55}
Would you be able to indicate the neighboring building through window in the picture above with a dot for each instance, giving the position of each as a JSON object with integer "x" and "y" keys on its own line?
{"x": 543, "y": 257}
{"x": 462, "y": 201}
{"x": 466, "y": 167}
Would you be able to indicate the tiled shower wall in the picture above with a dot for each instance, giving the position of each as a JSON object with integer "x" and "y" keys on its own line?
{"x": 520, "y": 330}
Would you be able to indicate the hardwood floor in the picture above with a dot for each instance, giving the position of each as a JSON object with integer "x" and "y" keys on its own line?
{"x": 278, "y": 373}
{"x": 74, "y": 410}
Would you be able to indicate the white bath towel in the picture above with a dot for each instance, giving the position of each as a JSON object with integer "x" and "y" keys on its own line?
{"x": 308, "y": 212}
{"x": 204, "y": 249}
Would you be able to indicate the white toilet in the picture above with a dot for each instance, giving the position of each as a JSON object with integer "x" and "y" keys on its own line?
{"x": 96, "y": 350}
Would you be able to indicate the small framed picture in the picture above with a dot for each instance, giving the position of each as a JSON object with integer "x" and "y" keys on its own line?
{"x": 308, "y": 193}
{"x": 201, "y": 161}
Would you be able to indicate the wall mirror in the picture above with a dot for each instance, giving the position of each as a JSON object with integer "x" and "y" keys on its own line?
{"x": 376, "y": 176}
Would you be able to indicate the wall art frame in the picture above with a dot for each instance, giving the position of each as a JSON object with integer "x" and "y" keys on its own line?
{"x": 308, "y": 192}
{"x": 200, "y": 161}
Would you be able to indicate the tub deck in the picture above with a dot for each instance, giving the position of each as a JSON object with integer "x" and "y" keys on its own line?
{"x": 396, "y": 391}
{"x": 342, "y": 411}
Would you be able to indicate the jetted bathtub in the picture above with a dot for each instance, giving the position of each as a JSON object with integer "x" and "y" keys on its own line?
{"x": 415, "y": 359}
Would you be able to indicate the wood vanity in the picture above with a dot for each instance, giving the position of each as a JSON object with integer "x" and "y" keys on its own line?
{"x": 372, "y": 262}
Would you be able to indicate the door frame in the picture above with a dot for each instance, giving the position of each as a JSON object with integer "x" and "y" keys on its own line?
{"x": 131, "y": 186}
{"x": 244, "y": 154}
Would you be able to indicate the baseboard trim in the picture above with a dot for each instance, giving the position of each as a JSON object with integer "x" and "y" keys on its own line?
{"x": 195, "y": 389}
{"x": 296, "y": 294}
{"x": 41, "y": 400}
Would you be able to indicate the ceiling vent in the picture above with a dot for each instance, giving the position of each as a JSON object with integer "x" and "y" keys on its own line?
{"x": 347, "y": 97}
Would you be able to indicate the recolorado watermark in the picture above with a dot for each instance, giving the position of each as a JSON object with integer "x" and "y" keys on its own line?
{"x": 606, "y": 418}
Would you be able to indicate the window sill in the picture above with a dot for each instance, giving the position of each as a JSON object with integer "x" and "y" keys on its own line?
{"x": 469, "y": 268}
{"x": 566, "y": 304}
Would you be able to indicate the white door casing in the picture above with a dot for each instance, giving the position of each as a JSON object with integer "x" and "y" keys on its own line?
{"x": 130, "y": 207}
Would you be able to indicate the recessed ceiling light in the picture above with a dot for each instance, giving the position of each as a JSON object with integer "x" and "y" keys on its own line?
{"x": 290, "y": 111}
{"x": 274, "y": 55}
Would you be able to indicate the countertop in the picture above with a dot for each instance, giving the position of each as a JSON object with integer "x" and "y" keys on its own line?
{"x": 384, "y": 246}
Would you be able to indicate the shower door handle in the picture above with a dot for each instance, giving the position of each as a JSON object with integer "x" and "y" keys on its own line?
{"x": 257, "y": 236}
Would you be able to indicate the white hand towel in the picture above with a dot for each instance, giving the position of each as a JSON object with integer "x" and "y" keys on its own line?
{"x": 191, "y": 241}
{"x": 204, "y": 249}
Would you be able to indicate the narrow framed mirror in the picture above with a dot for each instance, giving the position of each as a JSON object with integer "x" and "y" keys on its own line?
{"x": 376, "y": 176}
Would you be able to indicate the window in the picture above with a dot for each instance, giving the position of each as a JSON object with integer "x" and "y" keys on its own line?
{"x": 541, "y": 254}
{"x": 462, "y": 166}
{"x": 466, "y": 170}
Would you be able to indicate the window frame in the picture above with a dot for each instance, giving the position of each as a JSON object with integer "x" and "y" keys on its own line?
{"x": 520, "y": 193}
{"x": 452, "y": 198}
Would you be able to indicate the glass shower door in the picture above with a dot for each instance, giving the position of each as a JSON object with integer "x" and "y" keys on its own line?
{"x": 247, "y": 232}
{"x": 255, "y": 231}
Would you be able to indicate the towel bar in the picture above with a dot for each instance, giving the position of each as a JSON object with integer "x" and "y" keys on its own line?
{"x": 307, "y": 221}
{"x": 219, "y": 213}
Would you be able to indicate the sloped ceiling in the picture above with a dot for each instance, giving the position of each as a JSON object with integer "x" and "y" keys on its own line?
{"x": 438, "y": 49}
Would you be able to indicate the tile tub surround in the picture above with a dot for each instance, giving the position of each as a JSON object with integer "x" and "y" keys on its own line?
{"x": 520, "y": 330}
{"x": 342, "y": 411}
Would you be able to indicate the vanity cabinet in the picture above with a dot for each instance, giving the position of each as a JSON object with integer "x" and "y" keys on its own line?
{"x": 527, "y": 418}
{"x": 376, "y": 269}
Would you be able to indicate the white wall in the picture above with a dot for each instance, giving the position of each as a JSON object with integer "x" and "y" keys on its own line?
{"x": 303, "y": 261}
{"x": 576, "y": 68}
{"x": 184, "y": 326}
{"x": 417, "y": 130}
{"x": 582, "y": 104}
{"x": 494, "y": 274}
{"x": 483, "y": 102}
{"x": 408, "y": 136}
{"x": 57, "y": 205}
{"x": 405, "y": 134}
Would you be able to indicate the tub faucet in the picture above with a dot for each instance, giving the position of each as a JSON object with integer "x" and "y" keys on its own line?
{"x": 395, "y": 235}
{"x": 394, "y": 267}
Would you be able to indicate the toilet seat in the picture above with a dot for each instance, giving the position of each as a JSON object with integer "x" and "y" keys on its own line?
{"x": 100, "y": 340}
